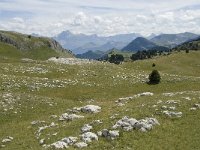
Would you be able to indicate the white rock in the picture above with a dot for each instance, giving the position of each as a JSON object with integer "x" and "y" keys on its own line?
{"x": 197, "y": 105}
{"x": 193, "y": 108}
{"x": 59, "y": 145}
{"x": 164, "y": 107}
{"x": 146, "y": 94}
{"x": 70, "y": 117}
{"x": 172, "y": 108}
{"x": 70, "y": 140}
{"x": 53, "y": 116}
{"x": 81, "y": 144}
{"x": 96, "y": 122}
{"x": 172, "y": 102}
{"x": 86, "y": 128}
{"x": 173, "y": 114}
{"x": 88, "y": 137}
{"x": 42, "y": 141}
{"x": 113, "y": 134}
{"x": 91, "y": 109}
{"x": 110, "y": 134}
{"x": 8, "y": 139}
{"x": 129, "y": 124}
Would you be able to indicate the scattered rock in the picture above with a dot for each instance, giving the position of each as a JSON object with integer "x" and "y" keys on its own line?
{"x": 71, "y": 61}
{"x": 128, "y": 124}
{"x": 59, "y": 145}
{"x": 169, "y": 108}
{"x": 110, "y": 134}
{"x": 96, "y": 122}
{"x": 70, "y": 140}
{"x": 81, "y": 145}
{"x": 86, "y": 128}
{"x": 53, "y": 116}
{"x": 69, "y": 117}
{"x": 195, "y": 107}
{"x": 64, "y": 143}
{"x": 91, "y": 109}
{"x": 37, "y": 122}
{"x": 88, "y": 137}
{"x": 42, "y": 141}
{"x": 146, "y": 94}
{"x": 173, "y": 114}
{"x": 7, "y": 139}
{"x": 172, "y": 102}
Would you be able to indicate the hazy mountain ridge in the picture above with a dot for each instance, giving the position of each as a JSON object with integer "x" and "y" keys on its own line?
{"x": 139, "y": 43}
{"x": 172, "y": 40}
{"x": 80, "y": 43}
{"x": 189, "y": 45}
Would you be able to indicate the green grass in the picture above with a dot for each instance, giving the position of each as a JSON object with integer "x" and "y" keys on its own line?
{"x": 68, "y": 86}
{"x": 23, "y": 46}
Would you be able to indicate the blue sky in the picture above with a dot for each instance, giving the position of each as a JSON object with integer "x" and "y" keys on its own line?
{"x": 102, "y": 17}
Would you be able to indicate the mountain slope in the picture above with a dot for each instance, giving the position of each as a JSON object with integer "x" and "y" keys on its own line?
{"x": 91, "y": 55}
{"x": 17, "y": 45}
{"x": 190, "y": 45}
{"x": 139, "y": 43}
{"x": 172, "y": 40}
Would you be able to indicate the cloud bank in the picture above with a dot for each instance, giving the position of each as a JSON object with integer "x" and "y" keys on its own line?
{"x": 105, "y": 17}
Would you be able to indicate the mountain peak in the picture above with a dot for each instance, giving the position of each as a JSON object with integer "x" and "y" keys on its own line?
{"x": 139, "y": 43}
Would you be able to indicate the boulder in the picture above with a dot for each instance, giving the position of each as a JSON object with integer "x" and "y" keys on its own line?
{"x": 89, "y": 137}
{"x": 128, "y": 124}
{"x": 86, "y": 128}
{"x": 59, "y": 145}
{"x": 91, "y": 109}
{"x": 7, "y": 139}
{"x": 81, "y": 145}
{"x": 172, "y": 114}
{"x": 70, "y": 140}
{"x": 69, "y": 117}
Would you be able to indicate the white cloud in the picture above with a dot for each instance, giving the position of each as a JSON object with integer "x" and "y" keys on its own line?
{"x": 105, "y": 17}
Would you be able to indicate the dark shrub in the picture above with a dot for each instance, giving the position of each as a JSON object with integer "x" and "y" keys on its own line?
{"x": 154, "y": 77}
{"x": 117, "y": 59}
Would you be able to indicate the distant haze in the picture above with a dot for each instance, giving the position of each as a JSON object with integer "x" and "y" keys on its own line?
{"x": 104, "y": 17}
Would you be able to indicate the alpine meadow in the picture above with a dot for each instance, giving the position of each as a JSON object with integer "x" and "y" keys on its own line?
{"x": 99, "y": 75}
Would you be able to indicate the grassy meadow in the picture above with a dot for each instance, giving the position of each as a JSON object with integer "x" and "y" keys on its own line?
{"x": 36, "y": 90}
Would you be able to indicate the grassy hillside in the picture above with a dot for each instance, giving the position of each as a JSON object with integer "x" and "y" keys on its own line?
{"x": 190, "y": 45}
{"x": 31, "y": 91}
{"x": 16, "y": 45}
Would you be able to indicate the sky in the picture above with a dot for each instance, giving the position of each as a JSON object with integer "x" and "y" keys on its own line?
{"x": 101, "y": 17}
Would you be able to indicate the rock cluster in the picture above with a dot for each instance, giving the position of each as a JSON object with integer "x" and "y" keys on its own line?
{"x": 109, "y": 134}
{"x": 70, "y": 61}
{"x": 69, "y": 117}
{"x": 128, "y": 124}
{"x": 64, "y": 143}
{"x": 172, "y": 114}
{"x": 87, "y": 109}
{"x": 89, "y": 137}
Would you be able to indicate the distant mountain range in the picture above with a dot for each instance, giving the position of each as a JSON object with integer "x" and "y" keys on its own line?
{"x": 172, "y": 40}
{"x": 81, "y": 43}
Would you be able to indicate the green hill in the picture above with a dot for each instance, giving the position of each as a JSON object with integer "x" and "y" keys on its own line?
{"x": 140, "y": 44}
{"x": 190, "y": 45}
{"x": 17, "y": 45}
